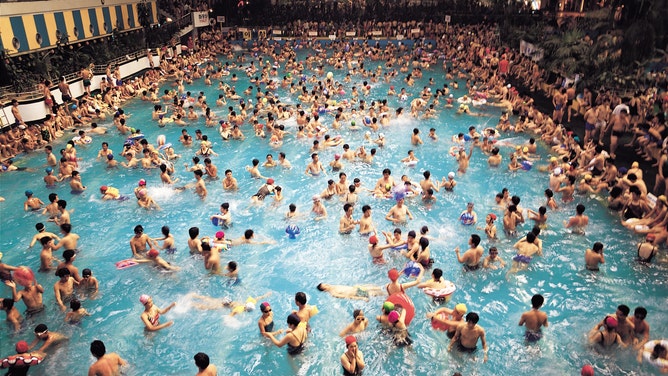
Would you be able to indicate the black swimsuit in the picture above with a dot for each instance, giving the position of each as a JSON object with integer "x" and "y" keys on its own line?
{"x": 649, "y": 259}
{"x": 295, "y": 350}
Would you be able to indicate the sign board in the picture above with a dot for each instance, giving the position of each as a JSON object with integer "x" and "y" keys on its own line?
{"x": 376, "y": 33}
{"x": 200, "y": 19}
{"x": 220, "y": 19}
{"x": 447, "y": 19}
{"x": 350, "y": 33}
{"x": 332, "y": 37}
{"x": 312, "y": 33}
{"x": 178, "y": 49}
{"x": 242, "y": 29}
{"x": 277, "y": 32}
{"x": 400, "y": 37}
{"x": 415, "y": 31}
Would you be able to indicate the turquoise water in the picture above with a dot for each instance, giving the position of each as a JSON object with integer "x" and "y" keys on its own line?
{"x": 575, "y": 299}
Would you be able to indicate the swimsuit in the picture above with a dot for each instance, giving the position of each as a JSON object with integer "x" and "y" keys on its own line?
{"x": 171, "y": 250}
{"x": 470, "y": 268}
{"x": 155, "y": 319}
{"x": 33, "y": 311}
{"x": 362, "y": 293}
{"x": 646, "y": 260}
{"x": 269, "y": 327}
{"x": 464, "y": 349}
{"x": 592, "y": 268}
{"x": 532, "y": 336}
{"x": 262, "y": 193}
{"x": 356, "y": 373}
{"x": 86, "y": 82}
{"x": 522, "y": 259}
{"x": 295, "y": 350}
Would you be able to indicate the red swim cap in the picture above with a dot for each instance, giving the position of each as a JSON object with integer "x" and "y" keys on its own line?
{"x": 153, "y": 253}
{"x": 393, "y": 274}
{"x": 350, "y": 340}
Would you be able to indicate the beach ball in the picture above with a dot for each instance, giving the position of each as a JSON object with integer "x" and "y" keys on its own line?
{"x": 24, "y": 276}
{"x": 292, "y": 231}
{"x": 411, "y": 269}
{"x": 330, "y": 75}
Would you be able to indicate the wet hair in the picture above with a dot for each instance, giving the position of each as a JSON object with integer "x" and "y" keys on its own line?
{"x": 62, "y": 272}
{"x": 549, "y": 193}
{"x": 193, "y": 232}
{"x": 475, "y": 239}
{"x": 165, "y": 230}
{"x": 7, "y": 304}
{"x": 68, "y": 254}
{"x": 537, "y": 301}
{"x": 45, "y": 240}
{"x": 293, "y": 319}
{"x": 424, "y": 242}
{"x": 201, "y": 360}
{"x": 640, "y": 312}
{"x": 292, "y": 207}
{"x": 438, "y": 273}
{"x": 580, "y": 209}
{"x": 347, "y": 206}
{"x": 426, "y": 174}
{"x": 300, "y": 298}
{"x": 232, "y": 265}
{"x": 597, "y": 247}
{"x": 412, "y": 234}
{"x": 138, "y": 229}
{"x": 531, "y": 237}
{"x": 472, "y": 317}
{"x": 357, "y": 312}
{"x": 53, "y": 197}
{"x": 62, "y": 204}
{"x": 75, "y": 304}
{"x": 66, "y": 228}
{"x": 41, "y": 328}
{"x": 97, "y": 348}
{"x": 248, "y": 234}
{"x": 623, "y": 308}
{"x": 86, "y": 272}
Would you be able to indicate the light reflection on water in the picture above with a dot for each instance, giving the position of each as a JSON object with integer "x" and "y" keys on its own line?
{"x": 575, "y": 299}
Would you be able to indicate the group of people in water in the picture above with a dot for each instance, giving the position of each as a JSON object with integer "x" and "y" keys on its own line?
{"x": 472, "y": 58}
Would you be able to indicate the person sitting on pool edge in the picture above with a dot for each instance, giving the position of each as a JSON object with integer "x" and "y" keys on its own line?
{"x": 467, "y": 335}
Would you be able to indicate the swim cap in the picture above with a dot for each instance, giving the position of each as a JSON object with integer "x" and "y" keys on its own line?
{"x": 393, "y": 274}
{"x": 352, "y": 123}
{"x": 381, "y": 135}
{"x": 557, "y": 171}
{"x": 373, "y": 239}
{"x": 461, "y": 308}
{"x": 493, "y": 216}
{"x": 49, "y": 170}
{"x": 144, "y": 299}
{"x": 226, "y": 300}
{"x": 220, "y": 235}
{"x": 350, "y": 340}
{"x": 28, "y": 193}
{"x": 110, "y": 156}
{"x": 393, "y": 317}
{"x": 74, "y": 106}
{"x": 316, "y": 198}
{"x": 249, "y": 306}
{"x": 611, "y": 322}
{"x": 337, "y": 156}
{"x": 451, "y": 175}
{"x": 634, "y": 165}
{"x": 270, "y": 181}
{"x": 22, "y": 347}
{"x": 587, "y": 177}
{"x": 388, "y": 306}
{"x": 142, "y": 182}
{"x": 153, "y": 253}
{"x": 525, "y": 149}
{"x": 103, "y": 188}
{"x": 265, "y": 307}
{"x": 367, "y": 133}
{"x": 392, "y": 87}
{"x": 553, "y": 159}
{"x": 587, "y": 370}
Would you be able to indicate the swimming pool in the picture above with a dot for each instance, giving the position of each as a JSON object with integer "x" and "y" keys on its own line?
{"x": 575, "y": 299}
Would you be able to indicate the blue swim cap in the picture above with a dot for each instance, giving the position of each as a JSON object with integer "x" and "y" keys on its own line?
{"x": 49, "y": 170}
{"x": 28, "y": 193}
{"x": 74, "y": 106}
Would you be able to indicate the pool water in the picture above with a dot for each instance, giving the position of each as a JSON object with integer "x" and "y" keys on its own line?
{"x": 576, "y": 300}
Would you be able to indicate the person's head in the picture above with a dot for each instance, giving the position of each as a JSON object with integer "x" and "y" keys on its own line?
{"x": 45, "y": 240}
{"x": 86, "y": 273}
{"x": 41, "y": 331}
{"x": 351, "y": 342}
{"x": 531, "y": 237}
{"x": 659, "y": 351}
{"x": 475, "y": 239}
{"x": 587, "y": 370}
{"x": 248, "y": 234}
{"x": 437, "y": 273}
{"x": 62, "y": 204}
{"x": 193, "y": 232}
{"x": 623, "y": 311}
{"x": 75, "y": 304}
{"x": 201, "y": 361}
{"x": 97, "y": 348}
{"x": 7, "y": 304}
{"x": 68, "y": 255}
{"x": 580, "y": 209}
{"x": 300, "y": 298}
{"x": 640, "y": 313}
{"x": 424, "y": 243}
{"x": 63, "y": 273}
{"x": 293, "y": 320}
{"x": 472, "y": 318}
{"x": 232, "y": 266}
{"x": 537, "y": 301}
{"x": 597, "y": 247}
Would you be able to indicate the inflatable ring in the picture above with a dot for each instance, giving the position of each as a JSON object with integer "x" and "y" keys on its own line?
{"x": 165, "y": 146}
{"x": 406, "y": 303}
{"x": 463, "y": 100}
{"x": 526, "y": 165}
{"x": 20, "y": 360}
{"x": 441, "y": 293}
{"x": 437, "y": 325}
{"x": 124, "y": 264}
{"x": 478, "y": 102}
{"x": 647, "y": 353}
{"x": 136, "y": 137}
{"x": 410, "y": 163}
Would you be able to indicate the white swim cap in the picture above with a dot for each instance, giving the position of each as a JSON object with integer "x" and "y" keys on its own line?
{"x": 381, "y": 135}
{"x": 451, "y": 175}
{"x": 557, "y": 171}
{"x": 249, "y": 306}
